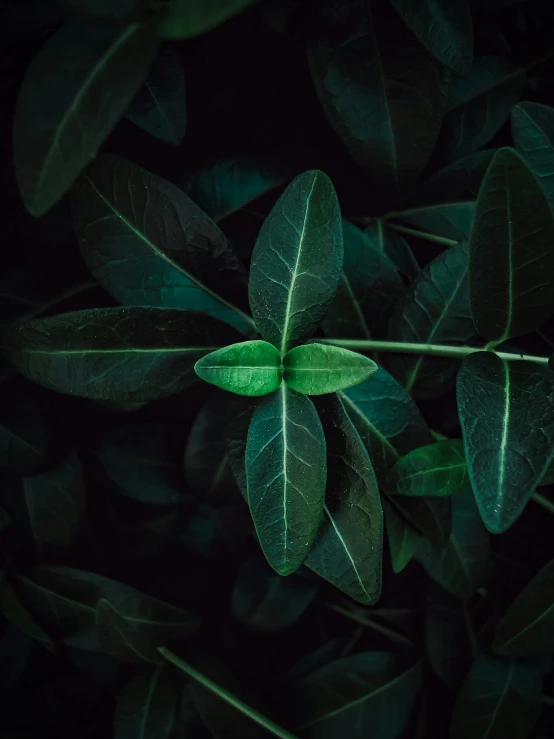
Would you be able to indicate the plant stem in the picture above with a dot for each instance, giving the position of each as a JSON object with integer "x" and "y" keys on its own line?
{"x": 437, "y": 350}
{"x": 395, "y": 636}
{"x": 421, "y": 234}
{"x": 541, "y": 500}
{"x": 205, "y": 682}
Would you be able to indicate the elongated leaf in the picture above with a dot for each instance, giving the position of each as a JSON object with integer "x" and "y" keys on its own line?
{"x": 444, "y": 27}
{"x": 480, "y": 103}
{"x": 434, "y": 311}
{"x": 248, "y": 368}
{"x": 239, "y": 414}
{"x": 128, "y": 641}
{"x": 533, "y": 134}
{"x": 431, "y": 517}
{"x": 297, "y": 261}
{"x": 369, "y": 286}
{"x": 286, "y": 471}
{"x": 123, "y": 354}
{"x": 318, "y": 369}
{"x": 25, "y": 431}
{"x": 527, "y": 627}
{"x": 392, "y": 245}
{"x": 179, "y": 261}
{"x": 435, "y": 469}
{"x": 352, "y": 697}
{"x": 146, "y": 709}
{"x": 506, "y": 412}
{"x": 443, "y": 223}
{"x": 348, "y": 548}
{"x": 511, "y": 272}
{"x": 402, "y": 537}
{"x": 160, "y": 107}
{"x": 188, "y": 18}
{"x": 499, "y": 698}
{"x": 382, "y": 100}
{"x": 73, "y": 94}
{"x": 464, "y": 564}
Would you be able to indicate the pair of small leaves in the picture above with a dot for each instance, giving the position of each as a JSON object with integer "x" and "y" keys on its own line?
{"x": 255, "y": 368}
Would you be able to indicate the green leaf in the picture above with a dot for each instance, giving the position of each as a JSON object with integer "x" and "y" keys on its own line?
{"x": 248, "y": 368}
{"x": 506, "y": 412}
{"x": 25, "y": 431}
{"x": 15, "y": 612}
{"x": 106, "y": 9}
{"x": 265, "y": 601}
{"x": 147, "y": 706}
{"x": 527, "y": 627}
{"x": 393, "y": 246}
{"x": 436, "y": 469}
{"x": 444, "y": 27}
{"x": 352, "y": 697}
{"x": 464, "y": 564}
{"x": 499, "y": 698}
{"x": 126, "y": 640}
{"x": 364, "y": 296}
{"x": 511, "y": 260}
{"x": 533, "y": 134}
{"x": 123, "y": 354}
{"x": 434, "y": 311}
{"x": 297, "y": 261}
{"x": 160, "y": 107}
{"x": 286, "y": 471}
{"x": 431, "y": 517}
{"x": 188, "y": 18}
{"x": 480, "y": 103}
{"x": 318, "y": 369}
{"x": 402, "y": 537}
{"x": 239, "y": 415}
{"x": 442, "y": 223}
{"x": 74, "y": 92}
{"x": 382, "y": 99}
{"x": 348, "y": 548}
{"x": 179, "y": 261}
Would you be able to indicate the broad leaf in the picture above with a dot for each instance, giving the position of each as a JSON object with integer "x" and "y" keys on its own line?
{"x": 511, "y": 260}
{"x": 394, "y": 246}
{"x": 160, "y": 107}
{"x": 434, "y": 311}
{"x": 435, "y": 469}
{"x": 147, "y": 707}
{"x": 384, "y": 101}
{"x": 128, "y": 641}
{"x": 25, "y": 431}
{"x": 431, "y": 517}
{"x": 527, "y": 627}
{"x": 286, "y": 471}
{"x": 188, "y": 18}
{"x": 499, "y": 698}
{"x": 74, "y": 92}
{"x": 318, "y": 369}
{"x": 123, "y": 354}
{"x": 248, "y": 368}
{"x": 401, "y": 536}
{"x": 352, "y": 697}
{"x": 479, "y": 105}
{"x": 464, "y": 564}
{"x": 444, "y": 27}
{"x": 506, "y": 412}
{"x": 348, "y": 548}
{"x": 179, "y": 261}
{"x": 533, "y": 134}
{"x": 297, "y": 261}
{"x": 443, "y": 223}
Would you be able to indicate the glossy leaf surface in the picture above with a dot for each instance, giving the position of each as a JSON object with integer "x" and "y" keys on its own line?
{"x": 248, "y": 368}
{"x": 318, "y": 369}
{"x": 436, "y": 469}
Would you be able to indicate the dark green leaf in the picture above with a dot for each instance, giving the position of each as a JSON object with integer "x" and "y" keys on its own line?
{"x": 431, "y": 517}
{"x": 454, "y": 182}
{"x": 25, "y": 432}
{"x": 392, "y": 245}
{"x": 160, "y": 107}
{"x": 188, "y": 18}
{"x": 402, "y": 537}
{"x": 74, "y": 92}
{"x": 249, "y": 368}
{"x": 352, "y": 697}
{"x": 499, "y": 699}
{"x": 180, "y": 260}
{"x": 239, "y": 415}
{"x": 383, "y": 100}
{"x": 443, "y": 223}
{"x": 319, "y": 369}
{"x": 15, "y": 652}
{"x": 533, "y": 134}
{"x": 527, "y": 627}
{"x": 464, "y": 564}
{"x": 286, "y": 471}
{"x": 122, "y": 354}
{"x": 16, "y": 613}
{"x": 348, "y": 548}
{"x": 434, "y": 311}
{"x": 146, "y": 708}
{"x": 480, "y": 103}
{"x": 106, "y": 9}
{"x": 297, "y": 261}
{"x": 506, "y": 412}
{"x": 436, "y": 469}
{"x": 444, "y": 27}
{"x": 128, "y": 641}
{"x": 511, "y": 260}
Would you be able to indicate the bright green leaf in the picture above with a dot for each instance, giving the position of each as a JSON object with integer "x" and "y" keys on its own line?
{"x": 188, "y": 18}
{"x": 297, "y": 261}
{"x": 286, "y": 471}
{"x": 511, "y": 259}
{"x": 533, "y": 134}
{"x": 506, "y": 412}
{"x": 437, "y": 469}
{"x": 147, "y": 706}
{"x": 248, "y": 368}
{"x": 318, "y": 369}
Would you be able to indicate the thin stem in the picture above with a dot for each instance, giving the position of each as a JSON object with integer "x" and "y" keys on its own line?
{"x": 421, "y": 234}
{"x": 437, "y": 350}
{"x": 395, "y": 636}
{"x": 541, "y": 500}
{"x": 205, "y": 682}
